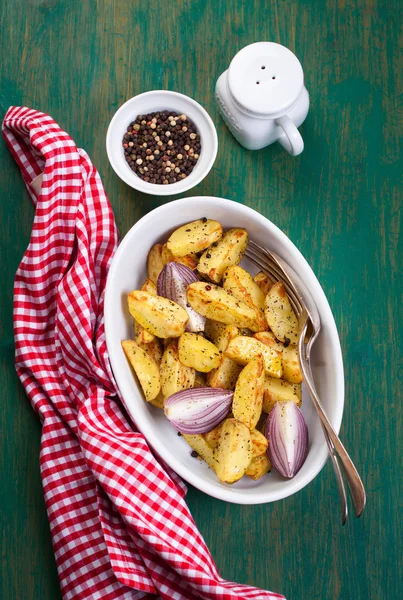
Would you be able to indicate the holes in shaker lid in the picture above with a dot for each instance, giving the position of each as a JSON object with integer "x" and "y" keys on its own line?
{"x": 257, "y": 83}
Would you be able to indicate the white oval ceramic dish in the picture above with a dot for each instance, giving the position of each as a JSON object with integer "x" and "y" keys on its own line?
{"x": 128, "y": 271}
{"x": 151, "y": 102}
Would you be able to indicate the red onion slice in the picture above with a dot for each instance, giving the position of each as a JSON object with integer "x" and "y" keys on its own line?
{"x": 287, "y": 432}
{"x": 172, "y": 283}
{"x": 198, "y": 410}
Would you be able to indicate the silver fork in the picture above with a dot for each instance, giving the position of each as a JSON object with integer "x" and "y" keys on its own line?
{"x": 309, "y": 320}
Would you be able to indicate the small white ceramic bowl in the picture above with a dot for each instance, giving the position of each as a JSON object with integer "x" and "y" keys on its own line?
{"x": 128, "y": 271}
{"x": 158, "y": 100}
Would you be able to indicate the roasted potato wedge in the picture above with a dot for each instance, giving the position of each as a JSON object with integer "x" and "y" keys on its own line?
{"x": 291, "y": 369}
{"x": 145, "y": 367}
{"x": 258, "y": 466}
{"x": 228, "y": 251}
{"x": 200, "y": 445}
{"x": 268, "y": 338}
{"x": 191, "y": 260}
{"x": 158, "y": 402}
{"x": 239, "y": 283}
{"x": 144, "y": 337}
{"x": 264, "y": 282}
{"x": 225, "y": 375}
{"x": 248, "y": 395}
{"x": 259, "y": 443}
{"x": 289, "y": 356}
{"x": 149, "y": 286}
{"x": 167, "y": 255}
{"x": 174, "y": 375}
{"x": 243, "y": 349}
{"x": 233, "y": 452}
{"x": 157, "y": 315}
{"x": 278, "y": 390}
{"x": 141, "y": 335}
{"x": 280, "y": 315}
{"x": 154, "y": 349}
{"x": 219, "y": 333}
{"x": 194, "y": 237}
{"x": 213, "y": 329}
{"x": 215, "y": 303}
{"x": 197, "y": 352}
{"x": 213, "y": 436}
{"x": 155, "y": 262}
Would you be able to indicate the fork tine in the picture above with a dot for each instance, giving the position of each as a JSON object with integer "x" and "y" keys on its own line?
{"x": 276, "y": 271}
{"x": 265, "y": 267}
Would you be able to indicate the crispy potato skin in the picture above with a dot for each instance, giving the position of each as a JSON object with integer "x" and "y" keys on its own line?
{"x": 264, "y": 282}
{"x": 259, "y": 443}
{"x": 280, "y": 315}
{"x": 191, "y": 260}
{"x": 278, "y": 390}
{"x": 248, "y": 395}
{"x": 213, "y": 302}
{"x": 197, "y": 352}
{"x": 239, "y": 283}
{"x": 149, "y": 286}
{"x": 145, "y": 367}
{"x": 200, "y": 445}
{"x": 233, "y": 452}
{"x": 174, "y": 375}
{"x": 228, "y": 251}
{"x": 258, "y": 466}
{"x": 243, "y": 349}
{"x": 157, "y": 315}
{"x": 194, "y": 237}
{"x": 155, "y": 262}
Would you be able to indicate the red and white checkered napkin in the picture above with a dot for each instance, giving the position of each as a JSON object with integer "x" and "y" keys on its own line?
{"x": 119, "y": 522}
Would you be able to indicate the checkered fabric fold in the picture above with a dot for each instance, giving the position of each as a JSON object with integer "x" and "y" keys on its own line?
{"x": 119, "y": 522}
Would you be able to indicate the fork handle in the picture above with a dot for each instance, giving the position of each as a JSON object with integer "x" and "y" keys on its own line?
{"x": 336, "y": 468}
{"x": 355, "y": 484}
{"x": 339, "y": 478}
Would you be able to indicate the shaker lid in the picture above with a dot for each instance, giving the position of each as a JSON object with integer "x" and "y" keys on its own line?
{"x": 265, "y": 78}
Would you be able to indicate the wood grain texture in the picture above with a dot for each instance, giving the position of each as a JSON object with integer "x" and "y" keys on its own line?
{"x": 340, "y": 202}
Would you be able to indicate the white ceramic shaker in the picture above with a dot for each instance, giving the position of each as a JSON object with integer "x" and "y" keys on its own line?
{"x": 262, "y": 97}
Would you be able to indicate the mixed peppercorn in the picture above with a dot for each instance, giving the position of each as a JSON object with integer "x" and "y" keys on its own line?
{"x": 162, "y": 147}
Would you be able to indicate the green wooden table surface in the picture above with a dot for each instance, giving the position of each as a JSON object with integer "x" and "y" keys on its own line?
{"x": 340, "y": 202}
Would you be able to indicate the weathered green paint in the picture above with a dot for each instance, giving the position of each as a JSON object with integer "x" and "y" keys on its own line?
{"x": 340, "y": 202}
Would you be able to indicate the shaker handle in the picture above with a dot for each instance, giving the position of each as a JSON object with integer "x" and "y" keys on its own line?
{"x": 291, "y": 139}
